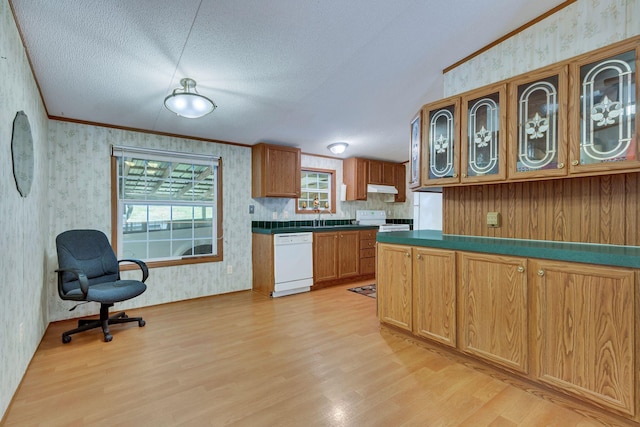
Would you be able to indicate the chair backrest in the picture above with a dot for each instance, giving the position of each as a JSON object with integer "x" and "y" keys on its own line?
{"x": 89, "y": 251}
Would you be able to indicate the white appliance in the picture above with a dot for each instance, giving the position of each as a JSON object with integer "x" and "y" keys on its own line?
{"x": 293, "y": 263}
{"x": 427, "y": 211}
{"x": 379, "y": 218}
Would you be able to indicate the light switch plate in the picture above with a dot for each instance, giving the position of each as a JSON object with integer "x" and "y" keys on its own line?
{"x": 493, "y": 219}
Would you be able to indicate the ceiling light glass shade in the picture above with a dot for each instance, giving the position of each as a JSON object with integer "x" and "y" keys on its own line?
{"x": 186, "y": 102}
{"x": 338, "y": 147}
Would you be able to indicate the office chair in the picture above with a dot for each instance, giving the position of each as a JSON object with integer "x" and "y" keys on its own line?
{"x": 89, "y": 272}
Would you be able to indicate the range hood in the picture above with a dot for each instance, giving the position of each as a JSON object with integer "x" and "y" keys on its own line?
{"x": 384, "y": 189}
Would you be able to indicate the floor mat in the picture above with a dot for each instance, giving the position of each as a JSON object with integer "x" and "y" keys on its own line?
{"x": 369, "y": 290}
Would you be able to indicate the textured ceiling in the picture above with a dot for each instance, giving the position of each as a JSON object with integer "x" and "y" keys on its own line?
{"x": 303, "y": 73}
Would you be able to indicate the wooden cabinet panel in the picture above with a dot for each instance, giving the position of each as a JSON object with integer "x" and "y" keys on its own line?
{"x": 400, "y": 182}
{"x": 348, "y": 254}
{"x": 355, "y": 175}
{"x": 434, "y": 294}
{"x": 275, "y": 171}
{"x": 325, "y": 256}
{"x": 493, "y": 309}
{"x": 394, "y": 285}
{"x": 585, "y": 328}
{"x": 441, "y": 143}
{"x": 367, "y": 252}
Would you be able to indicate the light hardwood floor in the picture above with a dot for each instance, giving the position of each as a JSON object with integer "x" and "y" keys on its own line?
{"x": 314, "y": 359}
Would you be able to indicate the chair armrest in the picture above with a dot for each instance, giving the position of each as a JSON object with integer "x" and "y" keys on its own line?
{"x": 82, "y": 278}
{"x": 141, "y": 264}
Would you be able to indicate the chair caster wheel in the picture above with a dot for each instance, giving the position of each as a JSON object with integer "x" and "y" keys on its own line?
{"x": 141, "y": 323}
{"x": 66, "y": 339}
{"x": 108, "y": 337}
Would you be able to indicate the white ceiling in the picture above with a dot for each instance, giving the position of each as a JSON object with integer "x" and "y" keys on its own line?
{"x": 303, "y": 73}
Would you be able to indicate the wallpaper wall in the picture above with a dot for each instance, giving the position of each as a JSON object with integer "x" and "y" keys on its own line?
{"x": 578, "y": 28}
{"x": 24, "y": 226}
{"x": 80, "y": 178}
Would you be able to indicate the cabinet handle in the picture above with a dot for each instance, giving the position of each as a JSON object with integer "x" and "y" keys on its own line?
{"x": 541, "y": 273}
{"x": 574, "y": 162}
{"x": 464, "y": 175}
{"x": 455, "y": 175}
{"x": 520, "y": 269}
{"x": 407, "y": 254}
{"x": 418, "y": 256}
{"x": 560, "y": 165}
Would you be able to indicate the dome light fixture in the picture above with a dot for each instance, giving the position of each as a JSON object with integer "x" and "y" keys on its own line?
{"x": 338, "y": 147}
{"x": 186, "y": 102}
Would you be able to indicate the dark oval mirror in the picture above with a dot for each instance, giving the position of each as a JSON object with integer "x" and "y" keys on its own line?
{"x": 22, "y": 153}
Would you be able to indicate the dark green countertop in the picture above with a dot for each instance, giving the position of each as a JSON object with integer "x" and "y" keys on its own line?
{"x": 304, "y": 229}
{"x": 621, "y": 256}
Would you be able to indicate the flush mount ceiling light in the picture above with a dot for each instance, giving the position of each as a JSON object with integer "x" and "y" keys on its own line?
{"x": 338, "y": 147}
{"x": 186, "y": 102}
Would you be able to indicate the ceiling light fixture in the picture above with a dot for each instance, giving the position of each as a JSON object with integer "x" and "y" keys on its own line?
{"x": 338, "y": 147}
{"x": 186, "y": 102}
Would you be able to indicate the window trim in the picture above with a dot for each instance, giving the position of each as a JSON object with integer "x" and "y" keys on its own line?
{"x": 166, "y": 263}
{"x": 332, "y": 207}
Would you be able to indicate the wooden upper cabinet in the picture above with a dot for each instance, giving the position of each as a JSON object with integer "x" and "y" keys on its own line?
{"x": 400, "y": 175}
{"x": 415, "y": 162}
{"x": 604, "y": 93}
{"x": 537, "y": 117}
{"x": 441, "y": 143}
{"x": 382, "y": 173}
{"x": 355, "y": 173}
{"x": 483, "y": 135}
{"x": 275, "y": 171}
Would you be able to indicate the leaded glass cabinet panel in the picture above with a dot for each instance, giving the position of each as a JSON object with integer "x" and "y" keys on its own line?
{"x": 604, "y": 95}
{"x": 483, "y": 135}
{"x": 441, "y": 131}
{"x": 537, "y": 119}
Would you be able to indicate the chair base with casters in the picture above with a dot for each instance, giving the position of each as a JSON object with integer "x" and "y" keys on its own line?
{"x": 103, "y": 322}
{"x": 89, "y": 272}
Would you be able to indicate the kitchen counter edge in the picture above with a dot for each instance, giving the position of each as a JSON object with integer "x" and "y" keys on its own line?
{"x": 613, "y": 255}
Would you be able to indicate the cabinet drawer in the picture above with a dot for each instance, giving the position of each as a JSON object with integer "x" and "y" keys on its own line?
{"x": 368, "y": 244}
{"x": 367, "y": 253}
{"x": 368, "y": 234}
{"x": 367, "y": 266}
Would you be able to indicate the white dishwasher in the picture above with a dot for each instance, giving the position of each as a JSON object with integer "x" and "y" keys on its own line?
{"x": 293, "y": 263}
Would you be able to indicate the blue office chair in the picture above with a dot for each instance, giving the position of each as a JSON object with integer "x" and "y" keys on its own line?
{"x": 89, "y": 272}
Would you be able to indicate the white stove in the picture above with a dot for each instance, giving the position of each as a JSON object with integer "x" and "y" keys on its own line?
{"x": 379, "y": 218}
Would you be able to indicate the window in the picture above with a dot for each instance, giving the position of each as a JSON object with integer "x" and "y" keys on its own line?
{"x": 316, "y": 185}
{"x": 166, "y": 206}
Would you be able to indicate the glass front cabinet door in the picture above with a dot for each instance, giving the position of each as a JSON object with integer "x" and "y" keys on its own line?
{"x": 441, "y": 131}
{"x": 483, "y": 137}
{"x": 537, "y": 124}
{"x": 415, "y": 164}
{"x": 604, "y": 90}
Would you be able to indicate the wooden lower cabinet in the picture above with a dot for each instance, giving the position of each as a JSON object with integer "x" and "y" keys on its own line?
{"x": 493, "y": 309}
{"x": 585, "y": 327}
{"x": 368, "y": 252}
{"x": 394, "y": 285}
{"x": 336, "y": 255}
{"x": 434, "y": 294}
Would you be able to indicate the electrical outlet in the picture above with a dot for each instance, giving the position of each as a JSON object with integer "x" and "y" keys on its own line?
{"x": 252, "y": 209}
{"x": 229, "y": 269}
{"x": 285, "y": 214}
{"x": 493, "y": 219}
{"x": 275, "y": 215}
{"x": 21, "y": 332}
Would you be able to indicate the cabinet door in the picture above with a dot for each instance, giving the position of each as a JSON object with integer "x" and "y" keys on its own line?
{"x": 389, "y": 173}
{"x": 325, "y": 256}
{"x": 275, "y": 171}
{"x": 434, "y": 295}
{"x": 375, "y": 172}
{"x": 400, "y": 182}
{"x": 394, "y": 292}
{"x": 484, "y": 135}
{"x": 493, "y": 309}
{"x": 415, "y": 162}
{"x": 441, "y": 130}
{"x": 604, "y": 91}
{"x": 585, "y": 329}
{"x": 537, "y": 118}
{"x": 355, "y": 175}
{"x": 348, "y": 253}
